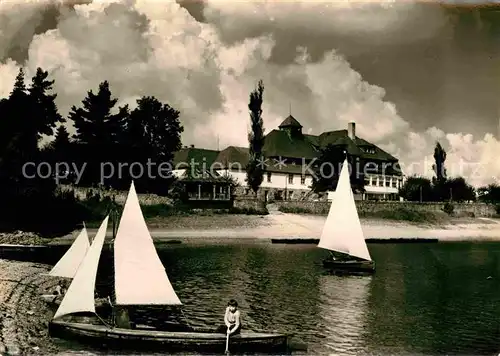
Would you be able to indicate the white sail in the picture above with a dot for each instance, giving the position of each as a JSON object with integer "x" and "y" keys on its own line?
{"x": 342, "y": 231}
{"x": 80, "y": 294}
{"x": 140, "y": 278}
{"x": 68, "y": 264}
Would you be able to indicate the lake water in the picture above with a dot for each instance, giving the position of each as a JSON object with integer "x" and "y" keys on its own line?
{"x": 433, "y": 298}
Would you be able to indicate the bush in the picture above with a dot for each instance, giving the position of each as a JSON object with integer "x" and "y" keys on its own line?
{"x": 295, "y": 210}
{"x": 449, "y": 208}
{"x": 248, "y": 211}
{"x": 497, "y": 209}
{"x": 402, "y": 214}
{"x": 48, "y": 215}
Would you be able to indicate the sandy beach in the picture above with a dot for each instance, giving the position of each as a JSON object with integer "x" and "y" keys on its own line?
{"x": 24, "y": 315}
{"x": 278, "y": 225}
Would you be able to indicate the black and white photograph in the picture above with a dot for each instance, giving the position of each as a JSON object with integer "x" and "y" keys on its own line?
{"x": 280, "y": 177}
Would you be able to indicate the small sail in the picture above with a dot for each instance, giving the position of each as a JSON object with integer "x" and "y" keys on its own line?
{"x": 68, "y": 264}
{"x": 342, "y": 231}
{"x": 140, "y": 278}
{"x": 80, "y": 294}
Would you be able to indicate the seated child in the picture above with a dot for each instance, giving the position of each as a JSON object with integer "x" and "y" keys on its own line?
{"x": 231, "y": 319}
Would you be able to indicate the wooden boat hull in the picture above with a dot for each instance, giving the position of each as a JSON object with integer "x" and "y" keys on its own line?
{"x": 169, "y": 341}
{"x": 346, "y": 266}
{"x": 52, "y": 299}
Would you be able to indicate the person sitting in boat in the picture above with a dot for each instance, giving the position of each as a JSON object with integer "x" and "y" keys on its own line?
{"x": 58, "y": 291}
{"x": 232, "y": 319}
{"x": 337, "y": 256}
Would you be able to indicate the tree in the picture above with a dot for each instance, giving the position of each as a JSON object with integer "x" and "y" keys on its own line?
{"x": 44, "y": 106}
{"x": 439, "y": 180}
{"x": 329, "y": 165}
{"x": 61, "y": 149}
{"x": 153, "y": 131}
{"x": 94, "y": 123}
{"x": 255, "y": 170}
{"x": 98, "y": 131}
{"x": 490, "y": 194}
{"x": 417, "y": 189}
{"x": 457, "y": 189}
{"x": 438, "y": 166}
{"x": 62, "y": 139}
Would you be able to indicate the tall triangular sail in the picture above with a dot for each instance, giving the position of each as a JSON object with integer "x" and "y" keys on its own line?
{"x": 80, "y": 294}
{"x": 68, "y": 264}
{"x": 342, "y": 231}
{"x": 140, "y": 278}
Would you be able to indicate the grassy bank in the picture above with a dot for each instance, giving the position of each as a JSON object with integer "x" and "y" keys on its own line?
{"x": 399, "y": 214}
{"x": 168, "y": 216}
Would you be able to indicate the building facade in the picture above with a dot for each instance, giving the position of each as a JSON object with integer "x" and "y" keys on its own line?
{"x": 290, "y": 159}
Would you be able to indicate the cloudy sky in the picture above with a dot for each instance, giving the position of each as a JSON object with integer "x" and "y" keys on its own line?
{"x": 408, "y": 73}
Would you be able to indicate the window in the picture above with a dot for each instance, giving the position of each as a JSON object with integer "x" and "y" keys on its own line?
{"x": 303, "y": 180}
{"x": 269, "y": 177}
{"x": 290, "y": 179}
{"x": 380, "y": 181}
{"x": 387, "y": 182}
{"x": 367, "y": 180}
{"x": 394, "y": 183}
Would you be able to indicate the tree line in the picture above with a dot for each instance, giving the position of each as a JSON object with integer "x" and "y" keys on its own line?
{"x": 103, "y": 133}
{"x": 446, "y": 189}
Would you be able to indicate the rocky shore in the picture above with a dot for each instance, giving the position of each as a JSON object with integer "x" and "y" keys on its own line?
{"x": 24, "y": 316}
{"x": 22, "y": 238}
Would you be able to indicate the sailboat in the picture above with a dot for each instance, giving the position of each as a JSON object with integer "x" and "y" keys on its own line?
{"x": 342, "y": 234}
{"x": 140, "y": 279}
{"x": 68, "y": 264}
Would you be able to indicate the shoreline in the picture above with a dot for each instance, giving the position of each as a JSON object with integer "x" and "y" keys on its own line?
{"x": 24, "y": 316}
{"x": 278, "y": 225}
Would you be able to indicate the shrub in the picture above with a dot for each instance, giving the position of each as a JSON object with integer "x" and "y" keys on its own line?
{"x": 401, "y": 214}
{"x": 497, "y": 209}
{"x": 295, "y": 210}
{"x": 448, "y": 208}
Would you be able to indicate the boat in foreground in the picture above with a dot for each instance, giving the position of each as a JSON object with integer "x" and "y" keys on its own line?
{"x": 199, "y": 340}
{"x": 342, "y": 234}
{"x": 349, "y": 265}
{"x": 68, "y": 264}
{"x": 140, "y": 279}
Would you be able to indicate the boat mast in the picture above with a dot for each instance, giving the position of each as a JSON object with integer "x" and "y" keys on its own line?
{"x": 113, "y": 294}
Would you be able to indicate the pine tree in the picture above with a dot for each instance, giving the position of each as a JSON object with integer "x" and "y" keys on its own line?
{"x": 44, "y": 106}
{"x": 98, "y": 131}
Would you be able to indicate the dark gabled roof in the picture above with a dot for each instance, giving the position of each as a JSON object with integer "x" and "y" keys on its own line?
{"x": 231, "y": 157}
{"x": 314, "y": 140}
{"x": 185, "y": 156}
{"x": 290, "y": 121}
{"x": 197, "y": 174}
{"x": 379, "y": 154}
{"x": 340, "y": 137}
{"x": 280, "y": 143}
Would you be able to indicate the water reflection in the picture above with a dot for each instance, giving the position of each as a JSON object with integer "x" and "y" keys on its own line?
{"x": 343, "y": 302}
{"x": 422, "y": 299}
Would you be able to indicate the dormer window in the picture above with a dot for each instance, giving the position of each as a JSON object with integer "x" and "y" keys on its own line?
{"x": 370, "y": 150}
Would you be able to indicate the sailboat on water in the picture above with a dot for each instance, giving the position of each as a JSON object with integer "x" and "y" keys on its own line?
{"x": 140, "y": 279}
{"x": 342, "y": 234}
{"x": 68, "y": 264}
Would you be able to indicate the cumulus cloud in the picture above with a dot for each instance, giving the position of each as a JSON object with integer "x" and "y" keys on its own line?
{"x": 157, "y": 48}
